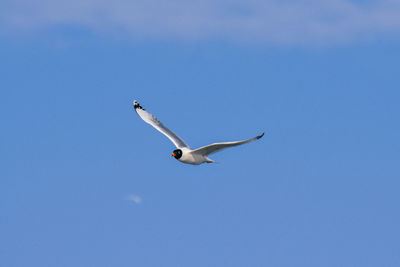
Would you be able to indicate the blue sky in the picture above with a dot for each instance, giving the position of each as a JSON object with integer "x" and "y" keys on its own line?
{"x": 85, "y": 182}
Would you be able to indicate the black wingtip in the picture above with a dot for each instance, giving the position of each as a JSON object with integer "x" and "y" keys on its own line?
{"x": 261, "y": 135}
{"x": 137, "y": 105}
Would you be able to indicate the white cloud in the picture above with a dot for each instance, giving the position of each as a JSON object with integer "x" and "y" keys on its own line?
{"x": 260, "y": 21}
{"x": 134, "y": 199}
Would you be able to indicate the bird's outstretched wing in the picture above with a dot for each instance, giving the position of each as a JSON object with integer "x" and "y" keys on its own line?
{"x": 211, "y": 149}
{"x": 153, "y": 121}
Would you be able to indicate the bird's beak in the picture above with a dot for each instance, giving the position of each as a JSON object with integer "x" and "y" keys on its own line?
{"x": 173, "y": 155}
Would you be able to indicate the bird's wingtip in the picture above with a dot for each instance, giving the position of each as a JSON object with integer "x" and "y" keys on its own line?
{"x": 136, "y": 105}
{"x": 261, "y": 135}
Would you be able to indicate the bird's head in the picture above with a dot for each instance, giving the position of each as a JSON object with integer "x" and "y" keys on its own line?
{"x": 177, "y": 153}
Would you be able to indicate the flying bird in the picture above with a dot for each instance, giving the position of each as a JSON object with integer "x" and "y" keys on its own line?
{"x": 183, "y": 152}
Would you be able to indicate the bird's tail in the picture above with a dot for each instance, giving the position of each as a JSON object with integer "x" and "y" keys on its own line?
{"x": 211, "y": 161}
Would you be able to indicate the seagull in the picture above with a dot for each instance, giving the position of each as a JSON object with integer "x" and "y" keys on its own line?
{"x": 183, "y": 152}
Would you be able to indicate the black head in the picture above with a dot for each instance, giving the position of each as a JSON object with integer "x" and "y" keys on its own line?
{"x": 177, "y": 153}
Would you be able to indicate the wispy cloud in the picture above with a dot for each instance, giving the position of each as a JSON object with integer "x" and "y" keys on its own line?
{"x": 261, "y": 21}
{"x": 134, "y": 199}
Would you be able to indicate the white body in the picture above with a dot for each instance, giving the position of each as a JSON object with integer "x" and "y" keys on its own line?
{"x": 189, "y": 156}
